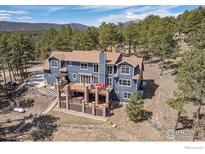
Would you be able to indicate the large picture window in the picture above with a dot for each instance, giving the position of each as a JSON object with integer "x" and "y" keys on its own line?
{"x": 124, "y": 82}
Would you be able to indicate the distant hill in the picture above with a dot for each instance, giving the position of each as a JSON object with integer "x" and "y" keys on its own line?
{"x": 6, "y": 26}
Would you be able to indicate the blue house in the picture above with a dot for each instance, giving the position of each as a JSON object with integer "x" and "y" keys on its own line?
{"x": 124, "y": 74}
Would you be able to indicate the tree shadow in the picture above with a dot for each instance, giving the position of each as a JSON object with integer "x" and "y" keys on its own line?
{"x": 45, "y": 126}
{"x": 147, "y": 115}
{"x": 149, "y": 88}
{"x": 186, "y": 122}
{"x": 26, "y": 103}
{"x": 41, "y": 129}
{"x": 4, "y": 103}
{"x": 155, "y": 61}
{"x": 170, "y": 65}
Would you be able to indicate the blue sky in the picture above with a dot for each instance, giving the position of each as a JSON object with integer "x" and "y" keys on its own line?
{"x": 91, "y": 15}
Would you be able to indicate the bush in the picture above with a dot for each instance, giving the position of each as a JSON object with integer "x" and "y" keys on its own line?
{"x": 134, "y": 108}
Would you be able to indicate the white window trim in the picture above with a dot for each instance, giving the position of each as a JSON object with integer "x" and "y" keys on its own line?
{"x": 75, "y": 76}
{"x": 111, "y": 81}
{"x": 70, "y": 63}
{"x": 84, "y": 68}
{"x": 127, "y": 93}
{"x": 95, "y": 77}
{"x": 91, "y": 81}
{"x": 124, "y": 85}
{"x": 112, "y": 70}
{"x": 125, "y": 73}
{"x": 94, "y": 69}
{"x": 52, "y": 63}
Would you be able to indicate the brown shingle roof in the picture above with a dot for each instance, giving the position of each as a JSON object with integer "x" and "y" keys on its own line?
{"x": 133, "y": 60}
{"x": 84, "y": 56}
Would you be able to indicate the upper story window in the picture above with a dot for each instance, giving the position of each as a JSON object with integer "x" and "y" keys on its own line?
{"x": 124, "y": 82}
{"x": 109, "y": 70}
{"x": 95, "y": 68}
{"x": 54, "y": 63}
{"x": 70, "y": 63}
{"x": 84, "y": 66}
{"x": 125, "y": 69}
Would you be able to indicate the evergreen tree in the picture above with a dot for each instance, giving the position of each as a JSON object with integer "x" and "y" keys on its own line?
{"x": 107, "y": 35}
{"x": 90, "y": 39}
{"x": 178, "y": 105}
{"x": 134, "y": 108}
{"x": 63, "y": 39}
{"x": 45, "y": 43}
{"x": 191, "y": 77}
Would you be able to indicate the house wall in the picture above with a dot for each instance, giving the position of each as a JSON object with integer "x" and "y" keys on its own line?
{"x": 116, "y": 94}
{"x": 75, "y": 68}
{"x": 119, "y": 90}
{"x": 50, "y": 74}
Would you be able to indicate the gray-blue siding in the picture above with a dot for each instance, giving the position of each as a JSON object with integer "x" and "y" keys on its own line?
{"x": 118, "y": 91}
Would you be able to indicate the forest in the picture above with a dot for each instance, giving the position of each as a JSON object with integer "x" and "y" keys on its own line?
{"x": 154, "y": 36}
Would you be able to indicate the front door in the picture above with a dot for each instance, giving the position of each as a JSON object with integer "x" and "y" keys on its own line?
{"x": 85, "y": 79}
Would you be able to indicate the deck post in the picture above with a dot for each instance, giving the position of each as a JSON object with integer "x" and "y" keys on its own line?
{"x": 67, "y": 88}
{"x": 93, "y": 108}
{"x": 83, "y": 106}
{"x": 107, "y": 97}
{"x": 96, "y": 94}
{"x": 86, "y": 94}
{"x": 104, "y": 110}
{"x": 58, "y": 96}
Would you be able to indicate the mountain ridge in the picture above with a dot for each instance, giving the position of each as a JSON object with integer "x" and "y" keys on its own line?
{"x": 10, "y": 26}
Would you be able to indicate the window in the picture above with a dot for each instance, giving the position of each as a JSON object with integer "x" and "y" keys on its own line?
{"x": 74, "y": 76}
{"x": 84, "y": 66}
{"x": 95, "y": 79}
{"x": 85, "y": 79}
{"x": 127, "y": 95}
{"x": 109, "y": 81}
{"x": 54, "y": 63}
{"x": 70, "y": 63}
{"x": 125, "y": 69}
{"x": 124, "y": 82}
{"x": 95, "y": 68}
{"x": 109, "y": 70}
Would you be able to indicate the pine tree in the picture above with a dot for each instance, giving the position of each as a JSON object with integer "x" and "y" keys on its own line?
{"x": 178, "y": 105}
{"x": 134, "y": 108}
{"x": 191, "y": 79}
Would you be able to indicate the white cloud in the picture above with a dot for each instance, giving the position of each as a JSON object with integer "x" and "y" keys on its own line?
{"x": 55, "y": 8}
{"x": 24, "y": 18}
{"x": 14, "y": 15}
{"x": 139, "y": 14}
{"x": 13, "y": 12}
{"x": 4, "y": 18}
{"x": 99, "y": 8}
